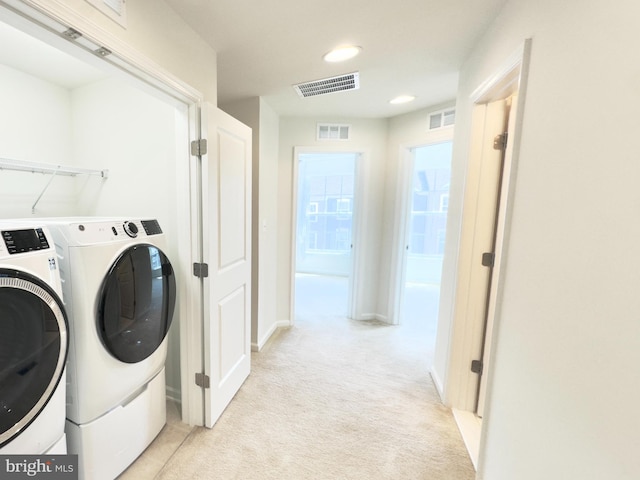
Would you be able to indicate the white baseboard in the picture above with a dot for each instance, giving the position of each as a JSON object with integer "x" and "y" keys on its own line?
{"x": 373, "y": 316}
{"x": 438, "y": 383}
{"x": 256, "y": 347}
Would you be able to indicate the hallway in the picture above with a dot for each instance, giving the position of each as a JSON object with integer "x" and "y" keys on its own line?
{"x": 329, "y": 398}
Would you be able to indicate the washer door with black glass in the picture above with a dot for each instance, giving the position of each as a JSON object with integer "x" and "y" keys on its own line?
{"x": 136, "y": 305}
{"x": 33, "y": 349}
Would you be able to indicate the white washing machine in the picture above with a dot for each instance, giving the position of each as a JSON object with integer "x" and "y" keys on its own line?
{"x": 33, "y": 343}
{"x": 121, "y": 291}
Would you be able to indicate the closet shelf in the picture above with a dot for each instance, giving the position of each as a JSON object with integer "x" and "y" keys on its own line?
{"x": 35, "y": 167}
{"x": 47, "y": 168}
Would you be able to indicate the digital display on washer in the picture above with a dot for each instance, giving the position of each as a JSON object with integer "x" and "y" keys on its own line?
{"x": 151, "y": 227}
{"x": 28, "y": 240}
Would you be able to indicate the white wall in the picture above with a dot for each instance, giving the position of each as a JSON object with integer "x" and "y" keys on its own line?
{"x": 133, "y": 135}
{"x": 369, "y": 136}
{"x": 564, "y": 384}
{"x": 264, "y": 123}
{"x": 35, "y": 127}
{"x": 268, "y": 221}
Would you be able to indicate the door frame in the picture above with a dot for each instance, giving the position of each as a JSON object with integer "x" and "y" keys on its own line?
{"x": 354, "y": 309}
{"x": 46, "y": 19}
{"x": 403, "y": 204}
{"x": 459, "y": 389}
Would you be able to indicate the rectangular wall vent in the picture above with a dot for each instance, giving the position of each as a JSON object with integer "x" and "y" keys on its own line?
{"x": 350, "y": 81}
{"x": 444, "y": 118}
{"x": 328, "y": 131}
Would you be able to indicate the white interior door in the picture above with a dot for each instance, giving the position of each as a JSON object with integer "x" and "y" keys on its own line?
{"x": 510, "y": 104}
{"x": 481, "y": 206}
{"x": 226, "y": 212}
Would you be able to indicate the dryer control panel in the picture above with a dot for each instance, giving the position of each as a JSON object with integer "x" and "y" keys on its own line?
{"x": 25, "y": 240}
{"x": 95, "y": 231}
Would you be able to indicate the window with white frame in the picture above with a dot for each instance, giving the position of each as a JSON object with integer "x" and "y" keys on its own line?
{"x": 312, "y": 211}
{"x": 444, "y": 202}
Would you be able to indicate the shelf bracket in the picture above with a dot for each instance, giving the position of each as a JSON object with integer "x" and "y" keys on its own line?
{"x": 53, "y": 175}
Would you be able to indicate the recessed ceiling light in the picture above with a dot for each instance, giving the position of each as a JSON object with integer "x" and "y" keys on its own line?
{"x": 402, "y": 99}
{"x": 341, "y": 54}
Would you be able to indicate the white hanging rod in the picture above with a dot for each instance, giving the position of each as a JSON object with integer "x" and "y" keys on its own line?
{"x": 35, "y": 167}
{"x": 47, "y": 168}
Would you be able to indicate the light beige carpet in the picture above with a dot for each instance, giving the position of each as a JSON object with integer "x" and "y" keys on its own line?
{"x": 331, "y": 399}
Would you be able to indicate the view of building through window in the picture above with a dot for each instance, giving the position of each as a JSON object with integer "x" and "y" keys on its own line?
{"x": 325, "y": 213}
{"x": 325, "y": 206}
{"x": 429, "y": 202}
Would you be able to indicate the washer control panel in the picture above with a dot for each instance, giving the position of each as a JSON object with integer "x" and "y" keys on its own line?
{"x": 25, "y": 240}
{"x": 88, "y": 232}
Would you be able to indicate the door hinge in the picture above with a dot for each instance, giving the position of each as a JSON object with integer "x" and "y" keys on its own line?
{"x": 500, "y": 141}
{"x": 488, "y": 259}
{"x": 476, "y": 366}
{"x": 199, "y": 147}
{"x": 202, "y": 380}
{"x": 201, "y": 270}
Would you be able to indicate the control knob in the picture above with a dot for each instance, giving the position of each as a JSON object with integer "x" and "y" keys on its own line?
{"x": 131, "y": 229}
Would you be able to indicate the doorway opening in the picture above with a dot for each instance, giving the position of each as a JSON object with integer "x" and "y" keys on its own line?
{"x": 324, "y": 234}
{"x": 428, "y": 201}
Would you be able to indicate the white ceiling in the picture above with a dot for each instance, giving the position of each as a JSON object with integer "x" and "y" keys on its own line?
{"x": 412, "y": 47}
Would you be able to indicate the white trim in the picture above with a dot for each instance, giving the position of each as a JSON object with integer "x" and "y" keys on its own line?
{"x": 191, "y": 314}
{"x": 400, "y": 235}
{"x": 493, "y": 88}
{"x": 437, "y": 381}
{"x": 382, "y": 318}
{"x": 256, "y": 347}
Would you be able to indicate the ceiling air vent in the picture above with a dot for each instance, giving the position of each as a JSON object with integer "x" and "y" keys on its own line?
{"x": 350, "y": 81}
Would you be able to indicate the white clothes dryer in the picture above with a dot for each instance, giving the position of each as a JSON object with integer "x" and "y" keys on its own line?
{"x": 121, "y": 291}
{"x": 33, "y": 343}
